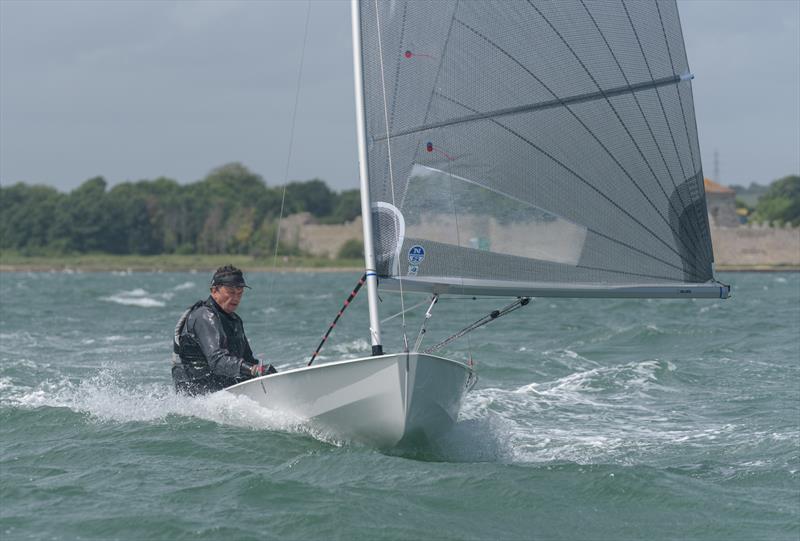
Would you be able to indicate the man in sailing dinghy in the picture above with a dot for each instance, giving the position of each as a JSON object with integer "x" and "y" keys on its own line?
{"x": 211, "y": 349}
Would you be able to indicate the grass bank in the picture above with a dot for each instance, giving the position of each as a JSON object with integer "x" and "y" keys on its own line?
{"x": 11, "y": 261}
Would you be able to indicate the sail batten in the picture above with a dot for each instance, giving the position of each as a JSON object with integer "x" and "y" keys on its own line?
{"x": 556, "y": 102}
{"x": 531, "y": 142}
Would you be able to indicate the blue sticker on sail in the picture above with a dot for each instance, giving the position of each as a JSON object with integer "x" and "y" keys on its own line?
{"x": 416, "y": 254}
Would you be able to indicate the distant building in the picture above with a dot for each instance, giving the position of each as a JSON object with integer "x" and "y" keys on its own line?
{"x": 721, "y": 203}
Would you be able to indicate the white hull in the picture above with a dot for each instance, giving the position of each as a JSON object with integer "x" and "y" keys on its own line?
{"x": 379, "y": 401}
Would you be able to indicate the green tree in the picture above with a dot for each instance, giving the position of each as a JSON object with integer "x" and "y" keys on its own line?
{"x": 26, "y": 216}
{"x": 352, "y": 249}
{"x": 83, "y": 219}
{"x": 313, "y": 196}
{"x": 231, "y": 210}
{"x": 781, "y": 202}
{"x": 347, "y": 207}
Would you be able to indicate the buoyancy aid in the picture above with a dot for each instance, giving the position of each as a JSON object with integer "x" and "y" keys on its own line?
{"x": 191, "y": 371}
{"x": 185, "y": 350}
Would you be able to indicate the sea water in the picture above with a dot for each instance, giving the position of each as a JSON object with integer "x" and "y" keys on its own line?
{"x": 592, "y": 419}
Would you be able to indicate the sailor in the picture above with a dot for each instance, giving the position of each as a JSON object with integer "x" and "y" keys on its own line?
{"x": 211, "y": 349}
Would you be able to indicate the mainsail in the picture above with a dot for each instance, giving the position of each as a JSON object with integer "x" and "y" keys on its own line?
{"x": 532, "y": 147}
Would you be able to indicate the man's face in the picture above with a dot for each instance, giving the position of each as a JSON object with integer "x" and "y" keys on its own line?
{"x": 227, "y": 297}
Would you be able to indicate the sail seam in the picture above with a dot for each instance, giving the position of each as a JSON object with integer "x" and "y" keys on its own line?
{"x": 697, "y": 225}
{"x": 435, "y": 81}
{"x": 700, "y": 201}
{"x": 591, "y": 186}
{"x": 627, "y": 130}
{"x": 397, "y": 69}
{"x": 575, "y": 116}
{"x": 692, "y": 231}
{"x": 603, "y": 269}
{"x": 615, "y": 241}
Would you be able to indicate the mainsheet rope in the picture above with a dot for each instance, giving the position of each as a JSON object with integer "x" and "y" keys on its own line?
{"x": 488, "y": 318}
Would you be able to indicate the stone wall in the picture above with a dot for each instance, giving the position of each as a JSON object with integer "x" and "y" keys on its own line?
{"x": 754, "y": 245}
{"x": 318, "y": 239}
{"x": 734, "y": 247}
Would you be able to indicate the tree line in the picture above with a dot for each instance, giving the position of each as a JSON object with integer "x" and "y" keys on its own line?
{"x": 778, "y": 203}
{"x": 230, "y": 211}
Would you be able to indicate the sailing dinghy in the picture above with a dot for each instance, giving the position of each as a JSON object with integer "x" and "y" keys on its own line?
{"x": 515, "y": 148}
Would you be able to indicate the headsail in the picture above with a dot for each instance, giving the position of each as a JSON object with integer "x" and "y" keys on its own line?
{"x": 534, "y": 147}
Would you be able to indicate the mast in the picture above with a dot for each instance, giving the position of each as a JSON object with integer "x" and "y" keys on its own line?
{"x": 366, "y": 206}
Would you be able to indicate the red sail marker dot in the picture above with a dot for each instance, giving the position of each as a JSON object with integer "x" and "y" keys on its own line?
{"x": 409, "y": 54}
{"x": 430, "y": 148}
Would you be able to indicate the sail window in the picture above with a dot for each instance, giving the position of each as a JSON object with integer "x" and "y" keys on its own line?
{"x": 449, "y": 209}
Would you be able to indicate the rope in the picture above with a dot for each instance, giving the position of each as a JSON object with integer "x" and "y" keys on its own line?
{"x": 488, "y": 318}
{"x": 389, "y": 155}
{"x": 289, "y": 155}
{"x": 409, "y": 309}
{"x": 336, "y": 319}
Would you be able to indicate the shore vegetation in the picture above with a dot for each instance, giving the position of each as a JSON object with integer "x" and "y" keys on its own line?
{"x": 231, "y": 211}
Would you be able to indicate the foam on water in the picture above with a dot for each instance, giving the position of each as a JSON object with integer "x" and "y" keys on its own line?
{"x": 695, "y": 418}
{"x": 359, "y": 347}
{"x": 140, "y": 297}
{"x": 586, "y": 417}
{"x": 106, "y": 398}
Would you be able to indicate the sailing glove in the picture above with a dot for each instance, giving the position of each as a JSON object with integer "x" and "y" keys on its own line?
{"x": 256, "y": 370}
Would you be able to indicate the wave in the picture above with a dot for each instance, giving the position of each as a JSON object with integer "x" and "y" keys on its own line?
{"x": 601, "y": 415}
{"x": 143, "y": 302}
{"x": 358, "y": 346}
{"x": 635, "y": 377}
{"x": 598, "y": 415}
{"x": 140, "y": 297}
{"x": 107, "y": 398}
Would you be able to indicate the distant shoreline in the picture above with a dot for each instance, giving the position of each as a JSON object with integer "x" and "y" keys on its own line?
{"x": 191, "y": 263}
{"x": 758, "y": 268}
{"x": 172, "y": 263}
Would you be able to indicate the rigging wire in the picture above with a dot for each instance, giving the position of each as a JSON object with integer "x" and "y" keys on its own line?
{"x": 409, "y": 309}
{"x": 289, "y": 154}
{"x": 424, "y": 327}
{"x": 389, "y": 154}
{"x": 488, "y": 318}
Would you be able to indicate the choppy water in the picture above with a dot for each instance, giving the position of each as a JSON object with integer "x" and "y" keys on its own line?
{"x": 592, "y": 419}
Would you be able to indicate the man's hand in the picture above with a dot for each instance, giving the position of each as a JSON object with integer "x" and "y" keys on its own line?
{"x": 262, "y": 370}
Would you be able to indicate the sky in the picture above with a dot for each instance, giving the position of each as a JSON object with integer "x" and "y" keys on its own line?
{"x": 133, "y": 90}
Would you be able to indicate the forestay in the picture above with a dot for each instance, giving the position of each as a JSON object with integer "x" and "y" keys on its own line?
{"x": 534, "y": 148}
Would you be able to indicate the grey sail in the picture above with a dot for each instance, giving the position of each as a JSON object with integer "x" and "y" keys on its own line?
{"x": 534, "y": 148}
